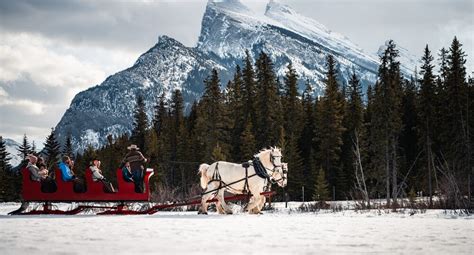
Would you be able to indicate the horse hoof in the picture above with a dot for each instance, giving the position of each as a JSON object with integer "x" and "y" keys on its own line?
{"x": 205, "y": 213}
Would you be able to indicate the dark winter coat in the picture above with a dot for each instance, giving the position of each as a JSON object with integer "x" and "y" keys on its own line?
{"x": 136, "y": 160}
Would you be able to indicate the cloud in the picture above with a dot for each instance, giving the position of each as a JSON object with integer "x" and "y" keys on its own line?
{"x": 131, "y": 25}
{"x": 40, "y": 76}
{"x": 25, "y": 54}
{"x": 29, "y": 107}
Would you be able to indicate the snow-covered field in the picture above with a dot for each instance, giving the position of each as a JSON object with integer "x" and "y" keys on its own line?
{"x": 281, "y": 232}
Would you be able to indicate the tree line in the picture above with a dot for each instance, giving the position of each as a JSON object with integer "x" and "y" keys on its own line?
{"x": 404, "y": 136}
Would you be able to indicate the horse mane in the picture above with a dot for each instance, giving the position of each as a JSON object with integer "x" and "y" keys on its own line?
{"x": 260, "y": 152}
{"x": 265, "y": 150}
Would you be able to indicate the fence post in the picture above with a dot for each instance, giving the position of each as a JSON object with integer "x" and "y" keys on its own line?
{"x": 469, "y": 191}
{"x": 302, "y": 192}
{"x": 333, "y": 193}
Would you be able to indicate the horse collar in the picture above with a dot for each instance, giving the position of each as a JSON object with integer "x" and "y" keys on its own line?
{"x": 260, "y": 169}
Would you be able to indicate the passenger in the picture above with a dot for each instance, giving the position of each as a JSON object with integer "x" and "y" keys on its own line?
{"x": 34, "y": 170}
{"x": 68, "y": 175}
{"x": 65, "y": 167}
{"x": 127, "y": 173}
{"x": 136, "y": 160}
{"x": 43, "y": 170}
{"x": 71, "y": 165}
{"x": 97, "y": 176}
{"x": 39, "y": 173}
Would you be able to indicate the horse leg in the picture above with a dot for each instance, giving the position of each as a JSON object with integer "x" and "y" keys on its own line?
{"x": 250, "y": 201}
{"x": 260, "y": 204}
{"x": 204, "y": 204}
{"x": 219, "y": 208}
{"x": 205, "y": 197}
{"x": 220, "y": 198}
{"x": 253, "y": 203}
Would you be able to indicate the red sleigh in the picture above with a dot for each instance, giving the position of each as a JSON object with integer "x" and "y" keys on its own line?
{"x": 31, "y": 191}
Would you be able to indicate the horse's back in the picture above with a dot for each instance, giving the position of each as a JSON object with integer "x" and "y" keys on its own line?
{"x": 231, "y": 172}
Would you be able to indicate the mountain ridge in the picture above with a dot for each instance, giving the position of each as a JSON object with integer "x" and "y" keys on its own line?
{"x": 228, "y": 28}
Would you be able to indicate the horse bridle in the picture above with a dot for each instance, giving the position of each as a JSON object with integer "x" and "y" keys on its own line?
{"x": 272, "y": 160}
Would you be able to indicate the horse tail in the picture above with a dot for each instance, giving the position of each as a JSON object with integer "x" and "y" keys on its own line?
{"x": 203, "y": 172}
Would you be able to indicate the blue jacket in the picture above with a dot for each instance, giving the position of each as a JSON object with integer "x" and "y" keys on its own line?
{"x": 127, "y": 176}
{"x": 65, "y": 172}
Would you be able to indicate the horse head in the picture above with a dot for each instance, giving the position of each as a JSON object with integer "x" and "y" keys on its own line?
{"x": 271, "y": 160}
{"x": 275, "y": 156}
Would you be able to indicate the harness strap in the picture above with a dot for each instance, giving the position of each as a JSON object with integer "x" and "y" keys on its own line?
{"x": 246, "y": 185}
{"x": 225, "y": 185}
{"x": 216, "y": 175}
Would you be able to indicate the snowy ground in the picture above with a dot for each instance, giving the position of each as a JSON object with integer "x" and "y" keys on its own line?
{"x": 281, "y": 232}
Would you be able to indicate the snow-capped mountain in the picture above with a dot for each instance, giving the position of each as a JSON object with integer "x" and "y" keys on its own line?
{"x": 108, "y": 108}
{"x": 12, "y": 149}
{"x": 228, "y": 29}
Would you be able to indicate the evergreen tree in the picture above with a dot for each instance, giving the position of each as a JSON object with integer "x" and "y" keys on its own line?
{"x": 25, "y": 148}
{"x": 443, "y": 64}
{"x": 248, "y": 146}
{"x": 33, "y": 148}
{"x": 386, "y": 121}
{"x": 4, "y": 157}
{"x": 321, "y": 189}
{"x": 295, "y": 164}
{"x": 140, "y": 123}
{"x": 51, "y": 149}
{"x": 235, "y": 107}
{"x": 409, "y": 136}
{"x": 212, "y": 121}
{"x": 268, "y": 106}
{"x": 68, "y": 150}
{"x": 8, "y": 191}
{"x": 195, "y": 146}
{"x": 369, "y": 156}
{"x": 292, "y": 125}
{"x": 329, "y": 119}
{"x": 427, "y": 113}
{"x": 176, "y": 136}
{"x": 355, "y": 115}
{"x": 249, "y": 90}
{"x": 153, "y": 154}
{"x": 352, "y": 122}
{"x": 306, "y": 143}
{"x": 177, "y": 115}
{"x": 160, "y": 115}
{"x": 454, "y": 137}
{"x": 291, "y": 103}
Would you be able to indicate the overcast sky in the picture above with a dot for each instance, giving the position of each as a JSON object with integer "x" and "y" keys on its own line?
{"x": 52, "y": 49}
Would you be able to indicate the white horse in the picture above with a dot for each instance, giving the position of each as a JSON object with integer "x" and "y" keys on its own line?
{"x": 224, "y": 176}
